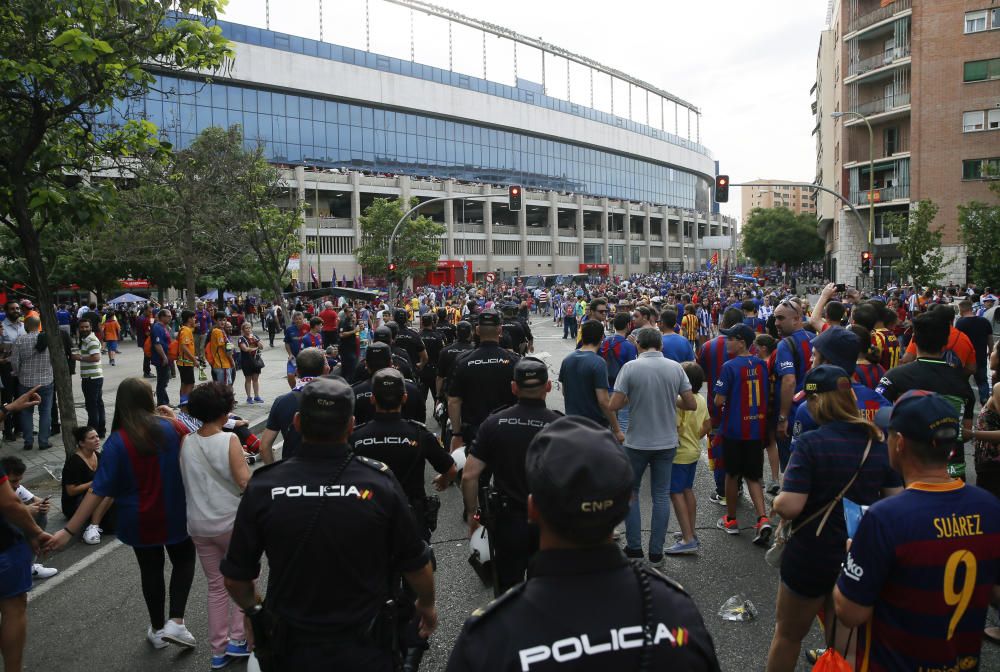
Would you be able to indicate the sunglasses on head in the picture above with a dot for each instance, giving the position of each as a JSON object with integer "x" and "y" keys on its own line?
{"x": 789, "y": 303}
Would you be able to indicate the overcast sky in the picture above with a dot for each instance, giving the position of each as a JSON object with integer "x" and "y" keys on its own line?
{"x": 747, "y": 64}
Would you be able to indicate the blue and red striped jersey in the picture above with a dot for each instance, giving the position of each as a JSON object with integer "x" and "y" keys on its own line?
{"x": 927, "y": 561}
{"x": 745, "y": 385}
{"x": 711, "y": 357}
{"x": 868, "y": 375}
{"x": 758, "y": 325}
{"x": 787, "y": 361}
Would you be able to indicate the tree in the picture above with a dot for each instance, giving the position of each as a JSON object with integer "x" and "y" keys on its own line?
{"x": 980, "y": 226}
{"x": 921, "y": 258}
{"x": 415, "y": 250}
{"x": 63, "y": 61}
{"x": 778, "y": 235}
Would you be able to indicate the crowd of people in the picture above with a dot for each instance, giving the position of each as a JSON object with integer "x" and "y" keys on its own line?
{"x": 860, "y": 402}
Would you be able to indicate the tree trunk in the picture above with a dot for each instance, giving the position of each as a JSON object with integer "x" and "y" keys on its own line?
{"x": 189, "y": 279}
{"x": 46, "y": 309}
{"x": 276, "y": 288}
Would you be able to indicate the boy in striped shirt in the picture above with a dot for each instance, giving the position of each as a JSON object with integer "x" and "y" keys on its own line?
{"x": 91, "y": 376}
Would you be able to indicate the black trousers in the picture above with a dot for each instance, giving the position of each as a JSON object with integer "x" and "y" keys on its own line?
{"x": 315, "y": 655}
{"x": 11, "y": 423}
{"x": 154, "y": 591}
{"x": 515, "y": 542}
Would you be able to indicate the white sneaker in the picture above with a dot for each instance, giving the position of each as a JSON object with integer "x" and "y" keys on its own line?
{"x": 155, "y": 637}
{"x": 92, "y": 535}
{"x": 40, "y": 572}
{"x": 177, "y": 633}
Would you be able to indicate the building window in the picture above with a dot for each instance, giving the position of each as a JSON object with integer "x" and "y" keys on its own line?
{"x": 980, "y": 71}
{"x": 975, "y": 22}
{"x": 995, "y": 19}
{"x": 993, "y": 117}
{"x": 981, "y": 169}
{"x": 973, "y": 121}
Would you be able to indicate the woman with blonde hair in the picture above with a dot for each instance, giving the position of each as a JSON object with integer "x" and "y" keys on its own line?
{"x": 845, "y": 457}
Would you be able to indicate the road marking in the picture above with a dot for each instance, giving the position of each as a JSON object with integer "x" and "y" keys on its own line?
{"x": 71, "y": 571}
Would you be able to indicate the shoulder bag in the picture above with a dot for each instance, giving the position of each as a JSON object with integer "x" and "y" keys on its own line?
{"x": 787, "y": 528}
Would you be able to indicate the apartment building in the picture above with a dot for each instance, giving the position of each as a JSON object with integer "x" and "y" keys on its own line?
{"x": 914, "y": 91}
{"x": 758, "y": 195}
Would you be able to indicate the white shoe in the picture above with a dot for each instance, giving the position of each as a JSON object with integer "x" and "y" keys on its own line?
{"x": 92, "y": 535}
{"x": 40, "y": 572}
{"x": 155, "y": 637}
{"x": 177, "y": 633}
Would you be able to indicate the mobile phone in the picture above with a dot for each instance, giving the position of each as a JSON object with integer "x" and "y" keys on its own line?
{"x": 840, "y": 287}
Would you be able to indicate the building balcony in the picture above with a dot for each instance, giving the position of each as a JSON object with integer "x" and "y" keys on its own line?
{"x": 502, "y": 228}
{"x": 469, "y": 228}
{"x": 878, "y": 61}
{"x": 636, "y": 236}
{"x": 881, "y": 14}
{"x": 539, "y": 231}
{"x": 883, "y": 195}
{"x": 592, "y": 234}
{"x": 892, "y": 103}
{"x": 329, "y": 223}
{"x": 616, "y": 235}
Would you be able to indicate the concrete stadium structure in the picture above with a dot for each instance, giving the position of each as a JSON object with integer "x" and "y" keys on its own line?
{"x": 602, "y": 193}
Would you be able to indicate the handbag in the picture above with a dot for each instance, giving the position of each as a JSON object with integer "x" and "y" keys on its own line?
{"x": 258, "y": 360}
{"x": 786, "y": 528}
{"x": 832, "y": 660}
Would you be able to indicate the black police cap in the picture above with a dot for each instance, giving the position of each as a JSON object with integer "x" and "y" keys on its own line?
{"x": 400, "y": 317}
{"x": 489, "y": 318}
{"x": 382, "y": 335}
{"x": 327, "y": 400}
{"x": 388, "y": 388}
{"x": 531, "y": 372}
{"x": 579, "y": 476}
{"x": 464, "y": 329}
{"x": 378, "y": 356}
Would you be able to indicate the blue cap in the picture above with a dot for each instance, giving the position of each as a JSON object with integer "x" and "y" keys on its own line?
{"x": 923, "y": 416}
{"x": 826, "y": 378}
{"x": 839, "y": 347}
{"x": 740, "y": 331}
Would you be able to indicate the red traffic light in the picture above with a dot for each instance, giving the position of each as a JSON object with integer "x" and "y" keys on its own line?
{"x": 723, "y": 180}
{"x": 514, "y": 191}
{"x": 866, "y": 255}
{"x": 392, "y": 267}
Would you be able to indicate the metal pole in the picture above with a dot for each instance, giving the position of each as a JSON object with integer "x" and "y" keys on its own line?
{"x": 871, "y": 181}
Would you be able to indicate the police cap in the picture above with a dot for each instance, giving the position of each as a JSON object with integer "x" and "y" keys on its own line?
{"x": 464, "y": 329}
{"x": 326, "y": 402}
{"x": 531, "y": 372}
{"x": 579, "y": 477}
{"x": 382, "y": 335}
{"x": 509, "y": 308}
{"x": 378, "y": 356}
{"x": 400, "y": 317}
{"x": 388, "y": 387}
{"x": 489, "y": 318}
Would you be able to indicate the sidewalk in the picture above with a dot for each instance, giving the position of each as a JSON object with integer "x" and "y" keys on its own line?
{"x": 48, "y": 463}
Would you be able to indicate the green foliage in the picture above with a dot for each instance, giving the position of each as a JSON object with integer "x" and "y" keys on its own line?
{"x": 415, "y": 250}
{"x": 778, "y": 235}
{"x": 919, "y": 246}
{"x": 980, "y": 226}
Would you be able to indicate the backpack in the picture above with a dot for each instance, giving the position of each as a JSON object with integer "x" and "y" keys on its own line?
{"x": 173, "y": 350}
{"x": 611, "y": 355}
{"x": 147, "y": 346}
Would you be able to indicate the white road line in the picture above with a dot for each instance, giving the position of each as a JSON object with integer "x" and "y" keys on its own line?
{"x": 41, "y": 588}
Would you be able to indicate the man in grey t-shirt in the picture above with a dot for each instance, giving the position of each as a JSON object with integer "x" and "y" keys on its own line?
{"x": 653, "y": 387}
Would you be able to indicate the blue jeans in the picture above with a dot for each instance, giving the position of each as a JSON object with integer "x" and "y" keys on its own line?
{"x": 44, "y": 417}
{"x": 162, "y": 380}
{"x": 982, "y": 383}
{"x": 660, "y": 463}
{"x": 622, "y": 417}
{"x": 93, "y": 389}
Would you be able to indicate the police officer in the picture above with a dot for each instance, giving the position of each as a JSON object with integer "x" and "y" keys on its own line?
{"x": 405, "y": 446}
{"x": 409, "y": 340}
{"x": 480, "y": 381}
{"x": 450, "y": 354}
{"x": 336, "y": 529}
{"x": 378, "y": 358}
{"x": 400, "y": 359}
{"x": 501, "y": 444}
{"x": 513, "y": 328}
{"x": 433, "y": 344}
{"x": 444, "y": 327}
{"x": 579, "y": 484}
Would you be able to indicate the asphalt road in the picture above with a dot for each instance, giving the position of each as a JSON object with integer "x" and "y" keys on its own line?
{"x": 91, "y": 616}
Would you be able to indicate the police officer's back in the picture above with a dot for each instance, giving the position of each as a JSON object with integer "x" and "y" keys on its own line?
{"x": 445, "y": 328}
{"x": 513, "y": 328}
{"x": 450, "y": 354}
{"x": 404, "y": 445}
{"x": 377, "y": 358}
{"x": 409, "y": 340}
{"x": 480, "y": 381}
{"x": 433, "y": 344}
{"x": 400, "y": 359}
{"x": 335, "y": 528}
{"x": 501, "y": 445}
{"x": 585, "y": 605}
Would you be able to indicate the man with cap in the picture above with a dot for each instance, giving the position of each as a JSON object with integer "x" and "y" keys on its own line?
{"x": 480, "y": 381}
{"x": 310, "y": 363}
{"x": 839, "y": 347}
{"x": 379, "y": 358}
{"x": 400, "y": 359}
{"x": 336, "y": 528}
{"x": 923, "y": 566}
{"x": 433, "y": 344}
{"x": 405, "y": 446}
{"x": 409, "y": 340}
{"x": 742, "y": 393}
{"x": 513, "y": 328}
{"x": 579, "y": 487}
{"x": 450, "y": 354}
{"x": 500, "y": 446}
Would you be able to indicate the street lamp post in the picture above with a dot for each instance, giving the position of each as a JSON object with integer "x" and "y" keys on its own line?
{"x": 871, "y": 172}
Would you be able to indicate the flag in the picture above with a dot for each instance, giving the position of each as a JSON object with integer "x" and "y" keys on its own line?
{"x": 312, "y": 274}
{"x": 333, "y": 278}
{"x": 715, "y": 259}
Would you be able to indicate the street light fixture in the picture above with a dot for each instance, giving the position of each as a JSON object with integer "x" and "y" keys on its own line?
{"x": 871, "y": 170}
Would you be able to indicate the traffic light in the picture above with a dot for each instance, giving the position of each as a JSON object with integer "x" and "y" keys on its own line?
{"x": 866, "y": 262}
{"x": 721, "y": 188}
{"x": 514, "y": 197}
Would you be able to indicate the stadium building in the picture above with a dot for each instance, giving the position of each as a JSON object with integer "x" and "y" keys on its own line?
{"x": 602, "y": 192}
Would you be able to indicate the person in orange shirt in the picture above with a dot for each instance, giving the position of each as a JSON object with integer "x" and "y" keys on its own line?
{"x": 111, "y": 330}
{"x": 689, "y": 325}
{"x": 219, "y": 350}
{"x": 186, "y": 358}
{"x": 959, "y": 351}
